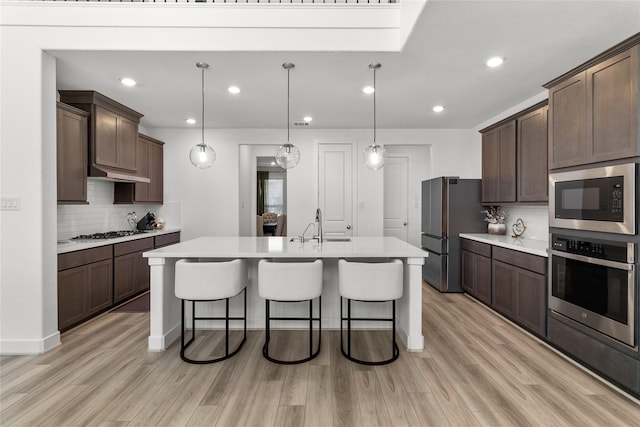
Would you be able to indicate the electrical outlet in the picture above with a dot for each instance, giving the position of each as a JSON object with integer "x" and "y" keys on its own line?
{"x": 10, "y": 203}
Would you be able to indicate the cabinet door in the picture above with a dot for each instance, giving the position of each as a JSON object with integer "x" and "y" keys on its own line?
{"x": 143, "y": 273}
{"x": 142, "y": 188}
{"x": 567, "y": 122}
{"x": 124, "y": 277}
{"x": 156, "y": 172}
{"x": 490, "y": 166}
{"x": 468, "y": 272}
{"x": 612, "y": 99}
{"x": 483, "y": 278}
{"x": 105, "y": 139}
{"x": 99, "y": 292}
{"x": 127, "y": 144}
{"x": 507, "y": 162}
{"x": 532, "y": 157}
{"x": 72, "y": 140}
{"x": 71, "y": 296}
{"x": 532, "y": 304}
{"x": 504, "y": 289}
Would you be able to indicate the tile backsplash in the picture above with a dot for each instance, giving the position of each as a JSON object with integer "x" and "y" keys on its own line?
{"x": 535, "y": 218}
{"x": 102, "y": 215}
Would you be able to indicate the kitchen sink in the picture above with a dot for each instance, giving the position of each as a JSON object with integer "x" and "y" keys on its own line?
{"x": 337, "y": 239}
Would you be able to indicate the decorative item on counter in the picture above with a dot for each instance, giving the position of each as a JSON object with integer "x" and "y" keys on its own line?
{"x": 147, "y": 222}
{"x": 132, "y": 219}
{"x": 159, "y": 223}
{"x": 518, "y": 228}
{"x": 495, "y": 217}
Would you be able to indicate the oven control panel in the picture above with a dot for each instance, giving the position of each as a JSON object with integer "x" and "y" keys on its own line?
{"x": 594, "y": 248}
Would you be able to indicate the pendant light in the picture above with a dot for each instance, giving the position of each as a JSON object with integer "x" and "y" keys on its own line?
{"x": 202, "y": 155}
{"x": 288, "y": 154}
{"x": 375, "y": 155}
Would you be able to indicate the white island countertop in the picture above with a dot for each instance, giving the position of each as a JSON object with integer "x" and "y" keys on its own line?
{"x": 282, "y": 247}
{"x": 165, "y": 307}
{"x": 531, "y": 246}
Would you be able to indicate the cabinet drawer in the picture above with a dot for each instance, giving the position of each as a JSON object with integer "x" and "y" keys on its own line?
{"x": 167, "y": 239}
{"x": 86, "y": 256}
{"x": 133, "y": 246}
{"x": 476, "y": 247}
{"x": 529, "y": 262}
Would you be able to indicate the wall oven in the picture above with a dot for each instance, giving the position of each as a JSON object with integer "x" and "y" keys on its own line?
{"x": 597, "y": 199}
{"x": 592, "y": 281}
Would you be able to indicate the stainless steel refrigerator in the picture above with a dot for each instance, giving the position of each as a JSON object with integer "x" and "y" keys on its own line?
{"x": 450, "y": 206}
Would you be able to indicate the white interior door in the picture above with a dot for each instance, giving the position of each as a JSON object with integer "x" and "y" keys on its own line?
{"x": 396, "y": 175}
{"x": 335, "y": 189}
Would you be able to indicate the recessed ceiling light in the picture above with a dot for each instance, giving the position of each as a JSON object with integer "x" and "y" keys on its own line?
{"x": 128, "y": 81}
{"x": 438, "y": 108}
{"x": 496, "y": 61}
{"x": 368, "y": 90}
{"x": 234, "y": 89}
{"x": 307, "y": 118}
{"x": 191, "y": 121}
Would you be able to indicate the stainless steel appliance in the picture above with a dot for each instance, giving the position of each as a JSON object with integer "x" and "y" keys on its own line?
{"x": 593, "y": 281}
{"x": 450, "y": 206}
{"x": 597, "y": 199}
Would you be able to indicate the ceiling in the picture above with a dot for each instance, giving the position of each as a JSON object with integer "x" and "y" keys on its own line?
{"x": 442, "y": 63}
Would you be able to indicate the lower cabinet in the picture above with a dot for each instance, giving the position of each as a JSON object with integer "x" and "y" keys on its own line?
{"x": 130, "y": 268}
{"x": 476, "y": 269}
{"x": 511, "y": 282}
{"x": 84, "y": 285}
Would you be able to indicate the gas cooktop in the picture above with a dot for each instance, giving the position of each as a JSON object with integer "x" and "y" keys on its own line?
{"x": 107, "y": 235}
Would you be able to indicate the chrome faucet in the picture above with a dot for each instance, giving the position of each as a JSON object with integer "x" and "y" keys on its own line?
{"x": 319, "y": 226}
{"x": 311, "y": 224}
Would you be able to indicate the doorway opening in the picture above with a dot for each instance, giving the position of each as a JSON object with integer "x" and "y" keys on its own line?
{"x": 271, "y": 187}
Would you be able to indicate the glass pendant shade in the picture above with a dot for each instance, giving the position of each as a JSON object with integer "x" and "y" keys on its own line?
{"x": 287, "y": 156}
{"x": 374, "y": 156}
{"x": 202, "y": 156}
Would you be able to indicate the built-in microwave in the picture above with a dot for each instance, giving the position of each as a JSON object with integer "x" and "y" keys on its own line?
{"x": 597, "y": 199}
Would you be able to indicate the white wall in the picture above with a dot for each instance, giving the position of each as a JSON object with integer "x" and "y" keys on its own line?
{"x": 210, "y": 198}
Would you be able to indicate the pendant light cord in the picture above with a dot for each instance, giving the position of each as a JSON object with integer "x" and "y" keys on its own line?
{"x": 374, "y": 106}
{"x": 202, "y": 106}
{"x": 288, "y": 102}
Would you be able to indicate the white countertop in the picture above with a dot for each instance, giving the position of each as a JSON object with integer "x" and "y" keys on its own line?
{"x": 65, "y": 246}
{"x": 531, "y": 246}
{"x": 282, "y": 247}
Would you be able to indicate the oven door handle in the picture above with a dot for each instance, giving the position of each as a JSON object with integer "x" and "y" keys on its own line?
{"x": 590, "y": 260}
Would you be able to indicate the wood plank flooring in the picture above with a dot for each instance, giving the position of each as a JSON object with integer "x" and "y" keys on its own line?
{"x": 476, "y": 370}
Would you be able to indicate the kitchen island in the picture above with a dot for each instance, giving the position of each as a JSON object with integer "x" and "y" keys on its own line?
{"x": 165, "y": 307}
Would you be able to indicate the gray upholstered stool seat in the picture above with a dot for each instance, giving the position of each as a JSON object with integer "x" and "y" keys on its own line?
{"x": 369, "y": 282}
{"x": 291, "y": 282}
{"x": 210, "y": 281}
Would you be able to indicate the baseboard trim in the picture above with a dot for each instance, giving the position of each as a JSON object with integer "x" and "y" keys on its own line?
{"x": 30, "y": 346}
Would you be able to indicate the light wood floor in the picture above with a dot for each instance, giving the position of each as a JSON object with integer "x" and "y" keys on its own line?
{"x": 477, "y": 369}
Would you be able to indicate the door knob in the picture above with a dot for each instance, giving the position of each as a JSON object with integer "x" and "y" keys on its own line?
{"x": 405, "y": 224}
{"x": 348, "y": 227}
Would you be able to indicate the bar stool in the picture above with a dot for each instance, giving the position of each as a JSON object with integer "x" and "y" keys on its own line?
{"x": 369, "y": 282}
{"x": 210, "y": 281}
{"x": 288, "y": 282}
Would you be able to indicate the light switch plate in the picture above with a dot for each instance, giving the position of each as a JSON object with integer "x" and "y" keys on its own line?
{"x": 10, "y": 203}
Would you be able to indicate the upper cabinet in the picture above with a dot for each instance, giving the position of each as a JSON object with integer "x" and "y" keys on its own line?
{"x": 593, "y": 109}
{"x": 150, "y": 164}
{"x": 72, "y": 134}
{"x": 514, "y": 161}
{"x": 113, "y": 134}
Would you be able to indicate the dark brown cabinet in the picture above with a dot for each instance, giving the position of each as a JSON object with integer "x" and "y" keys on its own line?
{"x": 150, "y": 164}
{"x": 514, "y": 158}
{"x": 130, "y": 268}
{"x": 167, "y": 239}
{"x": 84, "y": 285}
{"x": 476, "y": 269}
{"x": 71, "y": 150}
{"x": 499, "y": 164}
{"x": 531, "y": 153}
{"x": 593, "y": 110}
{"x": 518, "y": 288}
{"x": 113, "y": 130}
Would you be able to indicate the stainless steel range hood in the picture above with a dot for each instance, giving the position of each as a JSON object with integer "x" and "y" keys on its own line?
{"x": 115, "y": 175}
